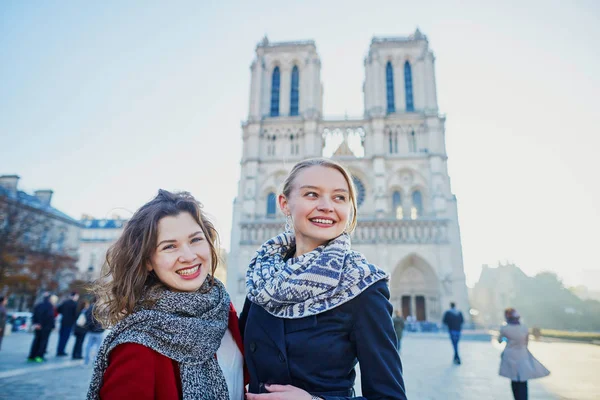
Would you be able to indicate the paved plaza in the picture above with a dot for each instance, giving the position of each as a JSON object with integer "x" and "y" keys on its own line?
{"x": 428, "y": 370}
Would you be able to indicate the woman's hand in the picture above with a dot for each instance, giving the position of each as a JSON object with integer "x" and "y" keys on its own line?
{"x": 280, "y": 392}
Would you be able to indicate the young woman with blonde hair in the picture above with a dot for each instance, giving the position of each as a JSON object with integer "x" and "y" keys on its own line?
{"x": 315, "y": 307}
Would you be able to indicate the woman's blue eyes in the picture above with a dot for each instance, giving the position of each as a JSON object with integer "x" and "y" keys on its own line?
{"x": 313, "y": 194}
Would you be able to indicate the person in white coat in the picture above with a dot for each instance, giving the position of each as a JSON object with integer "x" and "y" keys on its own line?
{"x": 517, "y": 363}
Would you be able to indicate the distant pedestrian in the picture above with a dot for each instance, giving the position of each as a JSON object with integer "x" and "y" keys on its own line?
{"x": 79, "y": 331}
{"x": 68, "y": 310}
{"x": 43, "y": 323}
{"x": 95, "y": 334}
{"x": 3, "y": 301}
{"x": 398, "y": 327}
{"x": 453, "y": 318}
{"x": 517, "y": 363}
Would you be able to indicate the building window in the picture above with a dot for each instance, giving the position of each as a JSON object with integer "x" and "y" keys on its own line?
{"x": 271, "y": 205}
{"x": 408, "y": 87}
{"x": 61, "y": 241}
{"x": 275, "y": 93}
{"x": 360, "y": 191}
{"x": 397, "y": 205}
{"x": 412, "y": 142}
{"x": 294, "y": 93}
{"x": 416, "y": 210}
{"x": 271, "y": 145}
{"x": 393, "y": 142}
{"x": 389, "y": 87}
{"x": 294, "y": 147}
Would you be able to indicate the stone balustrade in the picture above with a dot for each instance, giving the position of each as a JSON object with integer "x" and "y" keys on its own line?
{"x": 368, "y": 231}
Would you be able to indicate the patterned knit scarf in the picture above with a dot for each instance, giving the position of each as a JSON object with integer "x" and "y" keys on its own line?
{"x": 185, "y": 327}
{"x": 315, "y": 282}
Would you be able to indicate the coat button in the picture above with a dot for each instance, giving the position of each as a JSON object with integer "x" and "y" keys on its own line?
{"x": 281, "y": 357}
{"x": 253, "y": 347}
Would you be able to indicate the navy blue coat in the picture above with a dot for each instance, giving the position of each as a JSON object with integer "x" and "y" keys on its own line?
{"x": 68, "y": 309}
{"x": 454, "y": 319}
{"x": 43, "y": 314}
{"x": 318, "y": 353}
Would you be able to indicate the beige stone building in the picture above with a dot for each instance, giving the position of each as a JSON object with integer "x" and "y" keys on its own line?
{"x": 408, "y": 222}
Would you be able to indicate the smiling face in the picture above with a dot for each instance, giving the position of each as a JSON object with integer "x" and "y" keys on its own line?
{"x": 182, "y": 257}
{"x": 319, "y": 204}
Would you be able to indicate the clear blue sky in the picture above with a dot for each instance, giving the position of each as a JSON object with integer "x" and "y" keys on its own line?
{"x": 105, "y": 102}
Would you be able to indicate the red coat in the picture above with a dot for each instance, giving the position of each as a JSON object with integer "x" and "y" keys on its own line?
{"x": 137, "y": 372}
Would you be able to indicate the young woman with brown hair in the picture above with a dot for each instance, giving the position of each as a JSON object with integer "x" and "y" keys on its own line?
{"x": 174, "y": 331}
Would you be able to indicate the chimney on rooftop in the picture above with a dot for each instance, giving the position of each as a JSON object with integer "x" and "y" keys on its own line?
{"x": 9, "y": 182}
{"x": 44, "y": 196}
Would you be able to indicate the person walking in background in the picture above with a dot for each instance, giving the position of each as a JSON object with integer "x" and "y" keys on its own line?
{"x": 516, "y": 362}
{"x": 95, "y": 333}
{"x": 398, "y": 327}
{"x": 79, "y": 331}
{"x": 453, "y": 318}
{"x": 3, "y": 301}
{"x": 43, "y": 323}
{"x": 68, "y": 310}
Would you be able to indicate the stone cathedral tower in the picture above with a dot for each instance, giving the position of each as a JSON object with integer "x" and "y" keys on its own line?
{"x": 408, "y": 221}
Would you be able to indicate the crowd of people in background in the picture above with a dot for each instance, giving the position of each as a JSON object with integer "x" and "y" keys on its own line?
{"x": 75, "y": 318}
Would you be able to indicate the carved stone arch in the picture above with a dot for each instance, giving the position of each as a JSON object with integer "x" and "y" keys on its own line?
{"x": 396, "y": 211}
{"x": 418, "y": 186}
{"x": 272, "y": 63}
{"x": 415, "y": 288}
{"x": 273, "y": 182}
{"x": 405, "y": 178}
{"x": 408, "y": 128}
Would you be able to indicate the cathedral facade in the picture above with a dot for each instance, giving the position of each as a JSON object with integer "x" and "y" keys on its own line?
{"x": 396, "y": 152}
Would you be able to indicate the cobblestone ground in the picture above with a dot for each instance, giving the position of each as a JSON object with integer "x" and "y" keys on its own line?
{"x": 430, "y": 374}
{"x": 428, "y": 370}
{"x": 58, "y": 378}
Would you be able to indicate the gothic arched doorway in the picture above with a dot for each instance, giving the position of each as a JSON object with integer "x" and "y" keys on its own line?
{"x": 415, "y": 289}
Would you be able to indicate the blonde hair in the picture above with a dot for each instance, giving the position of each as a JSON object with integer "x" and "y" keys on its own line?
{"x": 323, "y": 162}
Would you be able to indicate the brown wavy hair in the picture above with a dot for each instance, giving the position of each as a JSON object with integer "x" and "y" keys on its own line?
{"x": 125, "y": 281}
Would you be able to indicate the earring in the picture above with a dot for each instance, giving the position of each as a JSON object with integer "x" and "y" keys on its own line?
{"x": 289, "y": 223}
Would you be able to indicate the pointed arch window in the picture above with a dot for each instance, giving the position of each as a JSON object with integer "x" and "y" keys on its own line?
{"x": 393, "y": 142}
{"x": 412, "y": 142}
{"x": 408, "y": 87}
{"x": 389, "y": 87}
{"x": 271, "y": 146}
{"x": 294, "y": 93}
{"x": 275, "y": 83}
{"x": 271, "y": 205}
{"x": 397, "y": 205}
{"x": 416, "y": 210}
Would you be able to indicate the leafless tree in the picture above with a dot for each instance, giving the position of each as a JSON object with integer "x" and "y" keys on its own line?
{"x": 32, "y": 255}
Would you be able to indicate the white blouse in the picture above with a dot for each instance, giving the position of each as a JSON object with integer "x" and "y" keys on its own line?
{"x": 231, "y": 362}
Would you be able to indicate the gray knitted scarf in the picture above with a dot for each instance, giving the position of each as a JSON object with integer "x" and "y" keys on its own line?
{"x": 313, "y": 283}
{"x": 185, "y": 327}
